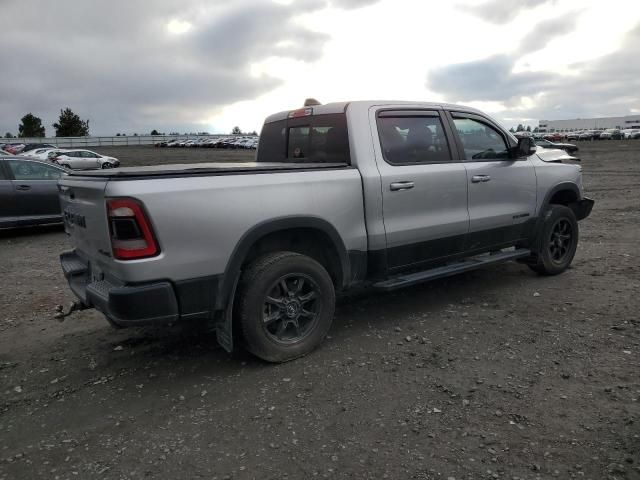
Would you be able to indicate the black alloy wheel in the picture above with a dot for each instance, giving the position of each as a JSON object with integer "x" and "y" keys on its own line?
{"x": 557, "y": 241}
{"x": 284, "y": 305}
{"x": 291, "y": 309}
{"x": 560, "y": 240}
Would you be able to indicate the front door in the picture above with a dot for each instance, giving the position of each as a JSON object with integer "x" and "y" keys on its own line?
{"x": 502, "y": 189}
{"x": 90, "y": 160}
{"x": 8, "y": 207}
{"x": 36, "y": 191}
{"x": 424, "y": 191}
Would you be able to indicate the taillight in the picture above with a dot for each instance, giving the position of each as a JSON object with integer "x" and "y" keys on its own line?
{"x": 131, "y": 234}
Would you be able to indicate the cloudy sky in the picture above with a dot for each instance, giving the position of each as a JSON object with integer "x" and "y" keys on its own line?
{"x": 206, "y": 65}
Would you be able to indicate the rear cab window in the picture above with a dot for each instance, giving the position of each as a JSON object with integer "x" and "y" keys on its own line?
{"x": 307, "y": 139}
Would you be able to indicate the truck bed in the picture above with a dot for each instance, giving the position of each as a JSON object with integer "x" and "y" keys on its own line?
{"x": 189, "y": 169}
{"x": 200, "y": 212}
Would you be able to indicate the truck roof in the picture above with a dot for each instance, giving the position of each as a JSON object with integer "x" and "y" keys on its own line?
{"x": 341, "y": 107}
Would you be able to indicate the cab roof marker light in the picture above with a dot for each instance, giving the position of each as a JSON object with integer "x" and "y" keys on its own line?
{"x": 301, "y": 112}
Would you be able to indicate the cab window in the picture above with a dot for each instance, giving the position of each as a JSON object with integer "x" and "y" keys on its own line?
{"x": 481, "y": 141}
{"x": 33, "y": 171}
{"x": 412, "y": 139}
{"x": 311, "y": 139}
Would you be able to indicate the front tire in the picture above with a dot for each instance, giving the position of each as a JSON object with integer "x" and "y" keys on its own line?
{"x": 558, "y": 241}
{"x": 285, "y": 306}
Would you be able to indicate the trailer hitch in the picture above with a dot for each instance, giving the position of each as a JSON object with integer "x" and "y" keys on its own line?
{"x": 73, "y": 307}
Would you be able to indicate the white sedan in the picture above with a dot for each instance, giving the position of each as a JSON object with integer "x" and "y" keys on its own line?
{"x": 85, "y": 160}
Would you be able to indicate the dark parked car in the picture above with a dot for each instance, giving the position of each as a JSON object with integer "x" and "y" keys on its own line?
{"x": 28, "y": 192}
{"x": 567, "y": 147}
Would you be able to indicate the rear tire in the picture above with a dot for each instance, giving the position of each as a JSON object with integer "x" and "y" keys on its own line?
{"x": 285, "y": 306}
{"x": 558, "y": 241}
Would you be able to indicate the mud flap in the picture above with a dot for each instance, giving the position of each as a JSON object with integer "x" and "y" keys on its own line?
{"x": 224, "y": 323}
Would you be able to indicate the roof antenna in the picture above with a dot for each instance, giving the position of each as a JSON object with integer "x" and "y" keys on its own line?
{"x": 311, "y": 102}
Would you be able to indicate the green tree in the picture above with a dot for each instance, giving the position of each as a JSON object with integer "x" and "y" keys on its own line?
{"x": 520, "y": 128}
{"x": 528, "y": 128}
{"x": 236, "y": 131}
{"x": 30, "y": 126}
{"x": 154, "y": 132}
{"x": 70, "y": 125}
{"x": 8, "y": 135}
{"x": 512, "y": 130}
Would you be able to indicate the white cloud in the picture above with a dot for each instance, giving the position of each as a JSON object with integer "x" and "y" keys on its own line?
{"x": 178, "y": 26}
{"x": 386, "y": 50}
{"x": 211, "y": 66}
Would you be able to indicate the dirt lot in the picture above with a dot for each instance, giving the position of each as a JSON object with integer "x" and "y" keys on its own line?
{"x": 493, "y": 374}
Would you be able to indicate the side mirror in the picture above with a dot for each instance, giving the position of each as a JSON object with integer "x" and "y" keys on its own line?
{"x": 526, "y": 147}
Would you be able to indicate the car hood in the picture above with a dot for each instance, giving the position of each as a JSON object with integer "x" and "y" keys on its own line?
{"x": 554, "y": 155}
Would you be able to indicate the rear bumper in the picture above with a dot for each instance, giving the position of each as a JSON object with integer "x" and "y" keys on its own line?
{"x": 582, "y": 208}
{"x": 122, "y": 304}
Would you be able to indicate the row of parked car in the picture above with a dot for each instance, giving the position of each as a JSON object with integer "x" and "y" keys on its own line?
{"x": 609, "y": 134}
{"x": 16, "y": 148}
{"x": 75, "y": 159}
{"x": 250, "y": 142}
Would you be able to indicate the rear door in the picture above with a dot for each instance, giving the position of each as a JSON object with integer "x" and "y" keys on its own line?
{"x": 8, "y": 207}
{"x": 424, "y": 186}
{"x": 36, "y": 191}
{"x": 502, "y": 189}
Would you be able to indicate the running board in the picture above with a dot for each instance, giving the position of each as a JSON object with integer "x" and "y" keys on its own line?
{"x": 465, "y": 265}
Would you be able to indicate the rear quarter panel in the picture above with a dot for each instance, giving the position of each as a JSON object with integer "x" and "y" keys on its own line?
{"x": 199, "y": 220}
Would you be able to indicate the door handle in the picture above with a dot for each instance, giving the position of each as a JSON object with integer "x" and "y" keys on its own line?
{"x": 480, "y": 178}
{"x": 395, "y": 186}
{"x": 23, "y": 187}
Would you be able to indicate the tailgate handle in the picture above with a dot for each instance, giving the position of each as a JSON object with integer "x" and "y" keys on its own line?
{"x": 23, "y": 187}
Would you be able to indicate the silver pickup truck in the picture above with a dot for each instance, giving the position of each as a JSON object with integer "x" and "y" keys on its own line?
{"x": 385, "y": 194}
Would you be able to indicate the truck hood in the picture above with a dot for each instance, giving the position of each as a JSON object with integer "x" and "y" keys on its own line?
{"x": 554, "y": 155}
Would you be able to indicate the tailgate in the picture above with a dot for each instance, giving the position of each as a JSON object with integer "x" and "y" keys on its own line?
{"x": 85, "y": 216}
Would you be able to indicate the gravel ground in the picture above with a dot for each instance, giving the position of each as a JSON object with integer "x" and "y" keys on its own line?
{"x": 496, "y": 373}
